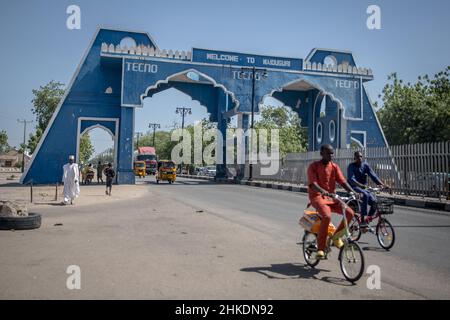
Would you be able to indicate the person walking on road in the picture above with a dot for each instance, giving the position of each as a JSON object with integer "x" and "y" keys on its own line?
{"x": 322, "y": 178}
{"x": 109, "y": 173}
{"x": 99, "y": 172}
{"x": 71, "y": 177}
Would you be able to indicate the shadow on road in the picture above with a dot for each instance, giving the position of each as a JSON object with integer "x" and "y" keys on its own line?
{"x": 286, "y": 271}
{"x": 376, "y": 249}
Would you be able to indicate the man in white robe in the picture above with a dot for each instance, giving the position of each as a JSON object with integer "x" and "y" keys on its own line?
{"x": 71, "y": 177}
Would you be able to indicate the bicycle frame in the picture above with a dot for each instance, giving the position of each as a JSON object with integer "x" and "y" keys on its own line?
{"x": 345, "y": 232}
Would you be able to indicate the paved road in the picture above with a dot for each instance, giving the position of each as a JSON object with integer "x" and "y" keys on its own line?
{"x": 422, "y": 235}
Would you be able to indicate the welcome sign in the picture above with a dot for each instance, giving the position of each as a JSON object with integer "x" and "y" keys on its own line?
{"x": 245, "y": 60}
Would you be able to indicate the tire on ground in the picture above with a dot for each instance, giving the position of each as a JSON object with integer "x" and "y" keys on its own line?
{"x": 32, "y": 221}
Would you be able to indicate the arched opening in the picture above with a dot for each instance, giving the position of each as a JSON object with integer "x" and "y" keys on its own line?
{"x": 313, "y": 105}
{"x": 199, "y": 101}
{"x": 96, "y": 147}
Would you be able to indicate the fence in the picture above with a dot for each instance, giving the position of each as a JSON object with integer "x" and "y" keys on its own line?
{"x": 419, "y": 169}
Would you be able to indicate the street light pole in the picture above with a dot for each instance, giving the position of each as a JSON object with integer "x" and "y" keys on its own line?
{"x": 138, "y": 135}
{"x": 252, "y": 124}
{"x": 154, "y": 126}
{"x": 24, "y": 135}
{"x": 183, "y": 111}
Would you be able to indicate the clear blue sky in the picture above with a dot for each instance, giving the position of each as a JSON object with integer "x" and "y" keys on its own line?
{"x": 37, "y": 47}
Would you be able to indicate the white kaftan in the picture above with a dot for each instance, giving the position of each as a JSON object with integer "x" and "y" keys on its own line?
{"x": 71, "y": 182}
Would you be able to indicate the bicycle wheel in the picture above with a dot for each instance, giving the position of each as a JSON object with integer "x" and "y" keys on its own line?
{"x": 351, "y": 261}
{"x": 355, "y": 230}
{"x": 385, "y": 234}
{"x": 310, "y": 249}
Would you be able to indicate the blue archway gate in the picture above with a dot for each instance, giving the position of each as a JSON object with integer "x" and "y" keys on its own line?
{"x": 112, "y": 80}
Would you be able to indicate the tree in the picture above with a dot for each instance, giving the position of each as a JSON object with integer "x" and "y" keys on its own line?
{"x": 34, "y": 140}
{"x": 163, "y": 145}
{"x": 45, "y": 101}
{"x": 292, "y": 137}
{"x": 416, "y": 113}
{"x": 4, "y": 146}
{"x": 86, "y": 148}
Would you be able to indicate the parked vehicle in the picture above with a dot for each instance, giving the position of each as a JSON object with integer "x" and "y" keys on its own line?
{"x": 210, "y": 171}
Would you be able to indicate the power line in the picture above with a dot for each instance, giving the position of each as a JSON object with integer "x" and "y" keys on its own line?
{"x": 24, "y": 135}
{"x": 154, "y": 126}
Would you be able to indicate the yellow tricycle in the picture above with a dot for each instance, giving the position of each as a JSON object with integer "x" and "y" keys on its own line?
{"x": 167, "y": 171}
{"x": 139, "y": 169}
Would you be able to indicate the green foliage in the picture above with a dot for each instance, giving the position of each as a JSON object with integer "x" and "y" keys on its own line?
{"x": 4, "y": 146}
{"x": 104, "y": 157}
{"x": 34, "y": 140}
{"x": 292, "y": 138}
{"x": 163, "y": 145}
{"x": 86, "y": 148}
{"x": 416, "y": 113}
{"x": 45, "y": 101}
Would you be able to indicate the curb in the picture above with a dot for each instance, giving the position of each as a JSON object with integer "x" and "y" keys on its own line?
{"x": 423, "y": 204}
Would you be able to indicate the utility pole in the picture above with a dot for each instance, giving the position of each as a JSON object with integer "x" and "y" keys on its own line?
{"x": 183, "y": 111}
{"x": 154, "y": 126}
{"x": 253, "y": 70}
{"x": 24, "y": 136}
{"x": 138, "y": 135}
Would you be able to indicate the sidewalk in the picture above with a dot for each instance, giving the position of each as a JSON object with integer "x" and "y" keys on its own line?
{"x": 402, "y": 200}
{"x": 51, "y": 195}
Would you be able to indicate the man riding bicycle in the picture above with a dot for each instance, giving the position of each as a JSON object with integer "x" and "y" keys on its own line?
{"x": 322, "y": 178}
{"x": 357, "y": 173}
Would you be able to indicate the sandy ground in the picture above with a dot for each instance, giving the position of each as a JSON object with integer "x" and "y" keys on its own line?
{"x": 11, "y": 189}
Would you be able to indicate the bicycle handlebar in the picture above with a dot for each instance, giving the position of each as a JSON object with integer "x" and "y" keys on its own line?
{"x": 376, "y": 189}
{"x": 344, "y": 200}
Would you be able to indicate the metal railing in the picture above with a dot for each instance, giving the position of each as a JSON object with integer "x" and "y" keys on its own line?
{"x": 419, "y": 169}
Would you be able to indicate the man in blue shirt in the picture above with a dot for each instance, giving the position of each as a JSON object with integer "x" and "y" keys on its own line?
{"x": 357, "y": 173}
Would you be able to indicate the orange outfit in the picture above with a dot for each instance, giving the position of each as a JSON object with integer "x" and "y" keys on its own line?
{"x": 326, "y": 177}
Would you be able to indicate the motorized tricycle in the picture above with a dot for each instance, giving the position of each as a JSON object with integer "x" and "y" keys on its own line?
{"x": 139, "y": 169}
{"x": 166, "y": 171}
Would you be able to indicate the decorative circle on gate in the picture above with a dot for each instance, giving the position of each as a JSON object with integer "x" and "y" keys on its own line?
{"x": 127, "y": 42}
{"x": 332, "y": 130}
{"x": 194, "y": 76}
{"x": 319, "y": 132}
{"x": 330, "y": 61}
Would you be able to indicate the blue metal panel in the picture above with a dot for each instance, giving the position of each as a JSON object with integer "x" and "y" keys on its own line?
{"x": 341, "y": 57}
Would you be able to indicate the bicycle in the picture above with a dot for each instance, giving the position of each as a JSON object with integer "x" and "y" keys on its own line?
{"x": 384, "y": 230}
{"x": 351, "y": 258}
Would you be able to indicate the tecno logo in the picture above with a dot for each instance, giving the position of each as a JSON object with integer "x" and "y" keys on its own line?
{"x": 141, "y": 67}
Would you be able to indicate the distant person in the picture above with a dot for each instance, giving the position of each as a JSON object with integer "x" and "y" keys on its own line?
{"x": 70, "y": 179}
{"x": 109, "y": 173}
{"x": 99, "y": 172}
